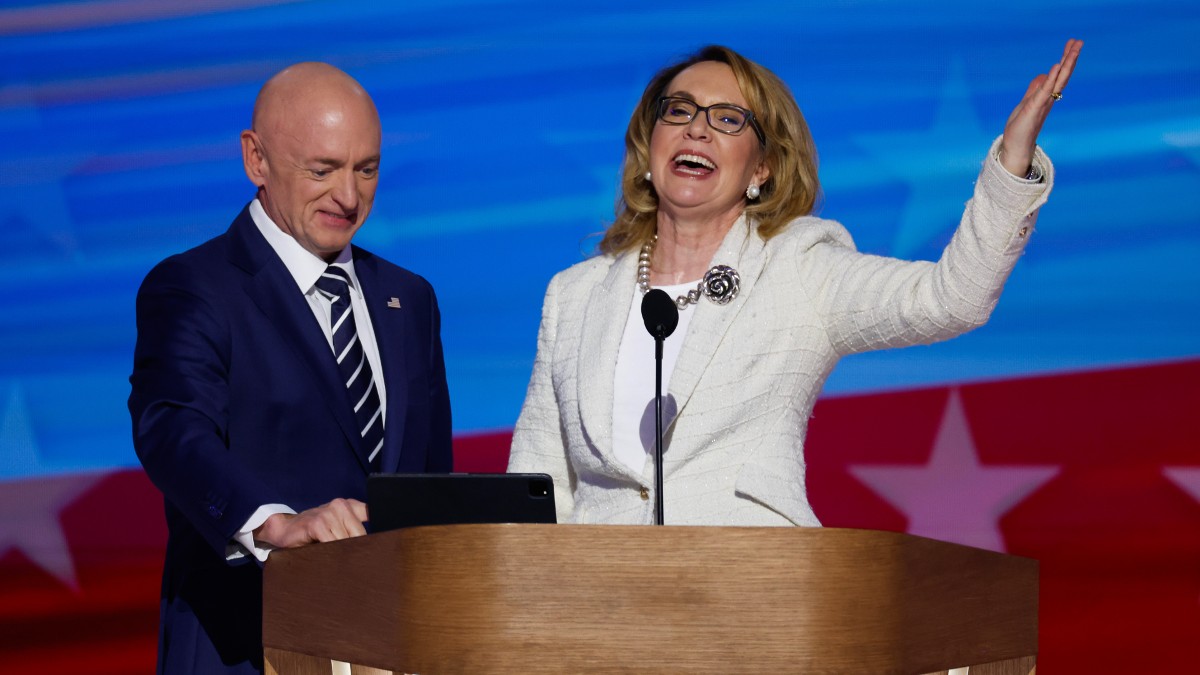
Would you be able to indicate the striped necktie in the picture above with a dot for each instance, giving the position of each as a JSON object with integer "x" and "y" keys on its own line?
{"x": 352, "y": 362}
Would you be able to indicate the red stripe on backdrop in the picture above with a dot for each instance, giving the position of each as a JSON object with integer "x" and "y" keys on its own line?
{"x": 107, "y": 623}
{"x": 1119, "y": 543}
{"x": 1076, "y": 467}
{"x": 482, "y": 453}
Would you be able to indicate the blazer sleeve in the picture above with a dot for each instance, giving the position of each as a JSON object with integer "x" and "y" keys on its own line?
{"x": 440, "y": 458}
{"x": 179, "y": 405}
{"x": 873, "y": 302}
{"x": 539, "y": 439}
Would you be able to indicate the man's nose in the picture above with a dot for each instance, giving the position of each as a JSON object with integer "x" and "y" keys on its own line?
{"x": 345, "y": 190}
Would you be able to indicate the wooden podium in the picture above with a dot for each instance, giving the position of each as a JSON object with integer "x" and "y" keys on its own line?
{"x": 591, "y": 598}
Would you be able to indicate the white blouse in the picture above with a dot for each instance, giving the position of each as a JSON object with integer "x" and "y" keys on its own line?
{"x": 633, "y": 400}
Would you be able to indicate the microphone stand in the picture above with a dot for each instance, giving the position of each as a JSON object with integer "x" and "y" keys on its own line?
{"x": 661, "y": 317}
{"x": 658, "y": 431}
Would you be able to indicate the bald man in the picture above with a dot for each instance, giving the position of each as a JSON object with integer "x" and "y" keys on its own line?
{"x": 276, "y": 367}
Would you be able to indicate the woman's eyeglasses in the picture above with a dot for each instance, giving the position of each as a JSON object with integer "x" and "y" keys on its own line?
{"x": 723, "y": 117}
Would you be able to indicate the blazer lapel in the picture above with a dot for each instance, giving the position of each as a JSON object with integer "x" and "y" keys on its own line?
{"x": 607, "y": 310}
{"x": 391, "y": 333}
{"x": 745, "y": 252}
{"x": 274, "y": 291}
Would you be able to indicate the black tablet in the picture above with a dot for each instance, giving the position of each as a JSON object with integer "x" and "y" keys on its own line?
{"x": 407, "y": 500}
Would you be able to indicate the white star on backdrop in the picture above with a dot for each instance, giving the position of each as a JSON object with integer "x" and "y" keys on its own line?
{"x": 1187, "y": 478}
{"x": 953, "y": 497}
{"x": 29, "y": 508}
{"x": 1187, "y": 142}
{"x": 39, "y": 203}
{"x": 938, "y": 164}
{"x": 17, "y": 444}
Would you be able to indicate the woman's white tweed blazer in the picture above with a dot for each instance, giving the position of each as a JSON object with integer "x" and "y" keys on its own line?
{"x": 750, "y": 372}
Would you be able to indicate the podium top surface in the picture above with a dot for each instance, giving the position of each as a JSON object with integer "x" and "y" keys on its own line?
{"x": 663, "y": 599}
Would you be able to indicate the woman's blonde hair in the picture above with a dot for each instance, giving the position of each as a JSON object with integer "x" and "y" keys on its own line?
{"x": 792, "y": 190}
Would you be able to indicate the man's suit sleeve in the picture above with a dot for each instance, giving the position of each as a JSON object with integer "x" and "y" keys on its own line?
{"x": 440, "y": 458}
{"x": 179, "y": 403}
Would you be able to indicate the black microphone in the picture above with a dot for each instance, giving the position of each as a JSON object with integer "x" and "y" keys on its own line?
{"x": 659, "y": 313}
{"x": 661, "y": 316}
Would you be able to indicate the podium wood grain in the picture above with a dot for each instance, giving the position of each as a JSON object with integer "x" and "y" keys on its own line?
{"x": 568, "y": 598}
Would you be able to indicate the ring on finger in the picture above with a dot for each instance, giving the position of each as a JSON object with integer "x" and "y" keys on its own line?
{"x": 1056, "y": 95}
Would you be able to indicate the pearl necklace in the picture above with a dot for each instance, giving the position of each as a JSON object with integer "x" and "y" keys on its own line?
{"x": 720, "y": 284}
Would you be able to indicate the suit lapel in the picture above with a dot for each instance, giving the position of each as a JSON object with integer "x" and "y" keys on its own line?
{"x": 391, "y": 332}
{"x": 607, "y": 311}
{"x": 746, "y": 253}
{"x": 274, "y": 291}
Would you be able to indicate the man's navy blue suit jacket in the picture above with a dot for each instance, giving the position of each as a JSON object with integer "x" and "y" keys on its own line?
{"x": 236, "y": 402}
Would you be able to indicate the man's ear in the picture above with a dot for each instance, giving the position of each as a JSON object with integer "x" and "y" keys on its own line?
{"x": 253, "y": 159}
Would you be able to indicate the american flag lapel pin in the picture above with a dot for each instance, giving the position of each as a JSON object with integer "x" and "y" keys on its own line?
{"x": 394, "y": 303}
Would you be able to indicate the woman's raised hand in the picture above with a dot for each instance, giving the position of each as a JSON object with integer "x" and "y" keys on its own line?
{"x": 1025, "y": 122}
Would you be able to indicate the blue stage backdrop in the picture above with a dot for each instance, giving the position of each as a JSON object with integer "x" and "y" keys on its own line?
{"x": 503, "y": 125}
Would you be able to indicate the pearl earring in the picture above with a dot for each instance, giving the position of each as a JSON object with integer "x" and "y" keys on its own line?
{"x": 752, "y": 192}
{"x": 647, "y": 177}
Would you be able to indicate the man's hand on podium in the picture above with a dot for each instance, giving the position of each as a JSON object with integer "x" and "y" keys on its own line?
{"x": 339, "y": 519}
